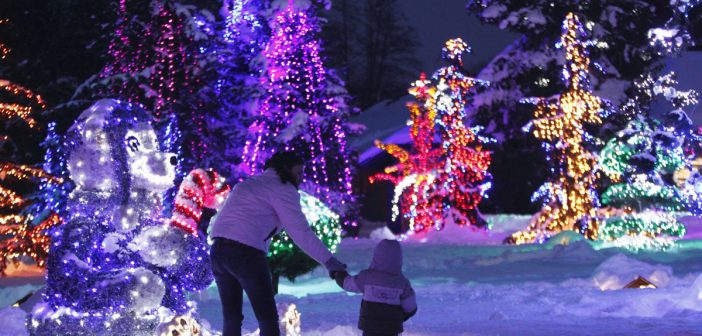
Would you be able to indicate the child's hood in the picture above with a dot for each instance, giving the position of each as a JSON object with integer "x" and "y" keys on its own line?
{"x": 387, "y": 257}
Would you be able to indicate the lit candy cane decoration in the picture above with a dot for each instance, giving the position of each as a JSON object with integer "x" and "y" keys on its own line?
{"x": 200, "y": 189}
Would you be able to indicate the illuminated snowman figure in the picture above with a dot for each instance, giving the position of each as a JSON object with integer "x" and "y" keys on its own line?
{"x": 116, "y": 266}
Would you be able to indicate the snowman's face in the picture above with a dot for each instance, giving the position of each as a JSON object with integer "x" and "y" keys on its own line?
{"x": 150, "y": 168}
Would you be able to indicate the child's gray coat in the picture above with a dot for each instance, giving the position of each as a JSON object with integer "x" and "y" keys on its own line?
{"x": 388, "y": 297}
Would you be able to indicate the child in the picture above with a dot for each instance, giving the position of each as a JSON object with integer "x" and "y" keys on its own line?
{"x": 388, "y": 297}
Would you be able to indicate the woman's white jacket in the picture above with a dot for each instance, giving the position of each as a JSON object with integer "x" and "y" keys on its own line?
{"x": 258, "y": 208}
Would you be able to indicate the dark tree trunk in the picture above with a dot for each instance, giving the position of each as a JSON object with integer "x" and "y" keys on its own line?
{"x": 275, "y": 278}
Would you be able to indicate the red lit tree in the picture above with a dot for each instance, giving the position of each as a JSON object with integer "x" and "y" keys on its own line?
{"x": 414, "y": 177}
{"x": 464, "y": 178}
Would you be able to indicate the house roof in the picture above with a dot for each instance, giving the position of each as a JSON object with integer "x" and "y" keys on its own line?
{"x": 385, "y": 121}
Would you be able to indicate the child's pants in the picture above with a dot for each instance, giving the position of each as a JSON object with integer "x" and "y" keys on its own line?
{"x": 237, "y": 268}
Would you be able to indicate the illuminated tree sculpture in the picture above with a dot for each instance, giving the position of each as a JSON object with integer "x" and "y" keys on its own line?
{"x": 569, "y": 198}
{"x": 232, "y": 83}
{"x": 20, "y": 235}
{"x": 416, "y": 196}
{"x": 464, "y": 178}
{"x": 304, "y": 109}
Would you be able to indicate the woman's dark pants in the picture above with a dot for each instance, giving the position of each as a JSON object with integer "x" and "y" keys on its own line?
{"x": 237, "y": 268}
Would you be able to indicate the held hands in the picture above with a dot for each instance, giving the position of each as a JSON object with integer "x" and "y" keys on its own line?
{"x": 333, "y": 265}
{"x": 339, "y": 277}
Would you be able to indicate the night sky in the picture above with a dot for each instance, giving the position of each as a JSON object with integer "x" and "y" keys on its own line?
{"x": 438, "y": 21}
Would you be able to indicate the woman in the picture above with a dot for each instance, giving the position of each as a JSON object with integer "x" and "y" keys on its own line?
{"x": 253, "y": 213}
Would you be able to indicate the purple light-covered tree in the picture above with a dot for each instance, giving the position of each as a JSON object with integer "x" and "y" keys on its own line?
{"x": 304, "y": 108}
{"x": 233, "y": 82}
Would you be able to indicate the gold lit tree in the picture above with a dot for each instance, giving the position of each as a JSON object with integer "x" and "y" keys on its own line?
{"x": 18, "y": 235}
{"x": 569, "y": 196}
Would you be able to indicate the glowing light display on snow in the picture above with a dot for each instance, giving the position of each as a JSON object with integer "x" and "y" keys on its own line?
{"x": 285, "y": 258}
{"x": 641, "y": 161}
{"x": 324, "y": 222}
{"x": 291, "y": 320}
{"x": 434, "y": 186}
{"x": 115, "y": 263}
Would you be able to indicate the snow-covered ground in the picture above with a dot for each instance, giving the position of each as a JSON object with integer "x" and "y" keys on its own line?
{"x": 486, "y": 288}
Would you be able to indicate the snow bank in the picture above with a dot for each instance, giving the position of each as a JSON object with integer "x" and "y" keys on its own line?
{"x": 617, "y": 271}
{"x": 453, "y": 234}
{"x": 577, "y": 252}
{"x": 693, "y": 226}
{"x": 336, "y": 331}
{"x": 679, "y": 299}
{"x": 501, "y": 227}
{"x": 12, "y": 321}
{"x": 581, "y": 251}
{"x": 382, "y": 233}
{"x": 565, "y": 287}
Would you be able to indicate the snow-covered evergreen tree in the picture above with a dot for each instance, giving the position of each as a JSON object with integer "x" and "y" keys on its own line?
{"x": 531, "y": 66}
{"x": 234, "y": 64}
{"x": 640, "y": 162}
